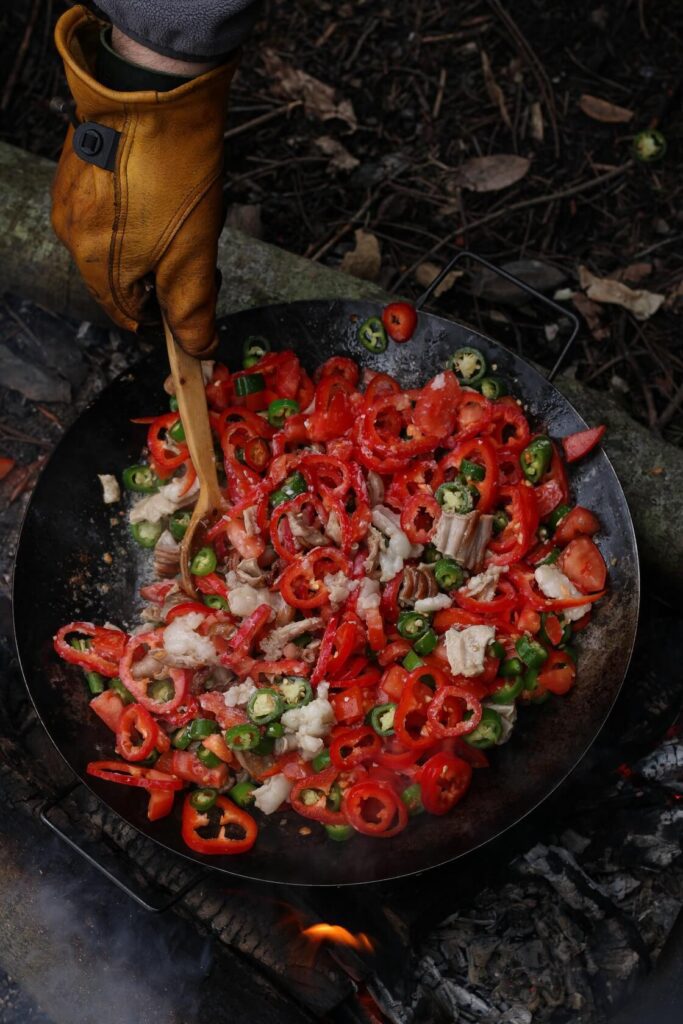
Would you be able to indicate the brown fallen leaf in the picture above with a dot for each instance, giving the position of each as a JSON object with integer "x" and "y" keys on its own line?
{"x": 633, "y": 273}
{"x": 495, "y": 93}
{"x": 641, "y": 303}
{"x": 365, "y": 259}
{"x": 19, "y": 480}
{"x": 591, "y": 312}
{"x": 340, "y": 158}
{"x": 490, "y": 173}
{"x": 318, "y": 97}
{"x": 602, "y": 110}
{"x": 428, "y": 272}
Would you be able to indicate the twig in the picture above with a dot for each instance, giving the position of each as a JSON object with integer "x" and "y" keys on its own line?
{"x": 263, "y": 119}
{"x": 16, "y": 435}
{"x": 436, "y": 109}
{"x": 21, "y": 323}
{"x": 339, "y": 234}
{"x": 641, "y": 18}
{"x": 506, "y": 210}
{"x": 49, "y": 415}
{"x": 20, "y": 57}
{"x": 671, "y": 409}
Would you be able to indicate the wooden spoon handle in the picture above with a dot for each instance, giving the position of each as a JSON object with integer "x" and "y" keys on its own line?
{"x": 189, "y": 385}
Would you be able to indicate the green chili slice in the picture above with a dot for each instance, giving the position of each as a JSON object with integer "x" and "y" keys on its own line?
{"x": 496, "y": 649}
{"x": 531, "y": 652}
{"x": 288, "y": 489}
{"x": 242, "y": 793}
{"x": 455, "y": 497}
{"x": 178, "y": 523}
{"x": 296, "y": 692}
{"x": 531, "y": 687}
{"x": 162, "y": 690}
{"x": 556, "y": 516}
{"x": 321, "y": 761}
{"x": 488, "y": 732}
{"x": 535, "y": 459}
{"x": 372, "y": 335}
{"x": 448, "y": 574}
{"x": 649, "y": 146}
{"x": 507, "y": 692}
{"x": 500, "y": 521}
{"x": 280, "y": 410}
{"x": 203, "y": 799}
{"x": 412, "y": 798}
{"x": 382, "y": 719}
{"x": 208, "y": 758}
{"x": 182, "y": 739}
{"x": 146, "y": 534}
{"x": 427, "y": 643}
{"x": 141, "y": 479}
{"x": 200, "y": 728}
{"x": 511, "y": 667}
{"x": 249, "y": 384}
{"x": 173, "y": 404}
{"x": 472, "y": 470}
{"x": 412, "y": 661}
{"x": 265, "y": 746}
{"x": 243, "y": 737}
{"x": 177, "y": 431}
{"x": 254, "y": 348}
{"x": 339, "y": 833}
{"x": 468, "y": 364}
{"x": 265, "y": 706}
{"x": 122, "y": 690}
{"x": 204, "y": 562}
{"x": 216, "y": 602}
{"x": 95, "y": 682}
{"x": 412, "y": 625}
{"x": 492, "y": 388}
{"x": 430, "y": 554}
{"x": 275, "y": 731}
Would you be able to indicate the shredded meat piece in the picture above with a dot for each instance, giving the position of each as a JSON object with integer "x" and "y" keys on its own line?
{"x": 166, "y": 556}
{"x": 373, "y": 540}
{"x": 249, "y": 571}
{"x": 308, "y": 536}
{"x": 417, "y": 583}
{"x": 464, "y": 537}
{"x": 151, "y": 666}
{"x": 333, "y": 529}
{"x": 375, "y": 488}
{"x": 250, "y": 521}
{"x": 274, "y": 643}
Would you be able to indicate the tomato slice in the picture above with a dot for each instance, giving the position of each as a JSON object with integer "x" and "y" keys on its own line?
{"x": 580, "y": 444}
{"x": 400, "y": 321}
{"x": 582, "y": 562}
{"x": 577, "y": 522}
{"x": 558, "y": 673}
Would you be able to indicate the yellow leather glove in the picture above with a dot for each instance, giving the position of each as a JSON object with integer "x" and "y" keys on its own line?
{"x": 152, "y": 221}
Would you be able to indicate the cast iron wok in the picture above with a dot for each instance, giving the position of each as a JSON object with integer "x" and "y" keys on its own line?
{"x": 61, "y": 576}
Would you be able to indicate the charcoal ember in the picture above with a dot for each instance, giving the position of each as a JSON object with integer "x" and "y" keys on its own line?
{"x": 490, "y": 286}
{"x": 665, "y": 764}
{"x": 20, "y": 374}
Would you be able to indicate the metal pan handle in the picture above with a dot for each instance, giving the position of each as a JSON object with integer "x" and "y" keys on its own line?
{"x": 147, "y": 900}
{"x": 465, "y": 254}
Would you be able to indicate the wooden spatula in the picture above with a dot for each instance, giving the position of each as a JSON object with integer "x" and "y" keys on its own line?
{"x": 189, "y": 390}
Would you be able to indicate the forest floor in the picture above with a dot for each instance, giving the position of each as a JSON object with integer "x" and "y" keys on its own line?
{"x": 359, "y": 135}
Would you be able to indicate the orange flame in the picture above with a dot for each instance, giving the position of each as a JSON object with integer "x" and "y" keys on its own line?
{"x": 335, "y": 933}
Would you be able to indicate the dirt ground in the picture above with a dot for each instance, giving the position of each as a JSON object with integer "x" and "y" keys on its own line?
{"x": 419, "y": 92}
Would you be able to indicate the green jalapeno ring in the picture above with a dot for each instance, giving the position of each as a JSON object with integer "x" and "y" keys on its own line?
{"x": 372, "y": 335}
{"x": 200, "y": 728}
{"x": 535, "y": 459}
{"x": 249, "y": 384}
{"x": 531, "y": 652}
{"x": 204, "y": 562}
{"x": 242, "y": 793}
{"x": 427, "y": 643}
{"x": 254, "y": 348}
{"x": 208, "y": 758}
{"x": 122, "y": 690}
{"x": 468, "y": 364}
{"x": 203, "y": 799}
{"x": 431, "y": 554}
{"x": 511, "y": 667}
{"x": 412, "y": 661}
{"x": 177, "y": 431}
{"x": 275, "y": 731}
{"x": 288, "y": 489}
{"x": 280, "y": 410}
{"x": 449, "y": 574}
{"x": 500, "y": 520}
{"x": 455, "y": 496}
{"x": 146, "y": 534}
{"x": 178, "y": 523}
{"x": 492, "y": 388}
{"x": 162, "y": 690}
{"x": 382, "y": 719}
{"x": 412, "y": 798}
{"x": 472, "y": 470}
{"x": 296, "y": 692}
{"x": 412, "y": 625}
{"x": 508, "y": 691}
{"x": 265, "y": 705}
{"x": 321, "y": 761}
{"x": 488, "y": 732}
{"x": 216, "y": 602}
{"x": 242, "y": 737}
{"x": 141, "y": 479}
{"x": 181, "y": 739}
{"x": 339, "y": 833}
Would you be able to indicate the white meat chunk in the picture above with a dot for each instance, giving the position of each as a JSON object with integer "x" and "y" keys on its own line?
{"x": 111, "y": 492}
{"x": 274, "y": 643}
{"x": 245, "y": 599}
{"x": 339, "y": 586}
{"x": 463, "y": 537}
{"x": 165, "y": 502}
{"x": 368, "y": 597}
{"x": 555, "y": 585}
{"x": 396, "y": 547}
{"x": 239, "y": 695}
{"x": 308, "y": 725}
{"x": 185, "y": 648}
{"x": 483, "y": 586}
{"x": 466, "y": 649}
{"x": 427, "y": 605}
{"x": 272, "y": 794}
{"x": 508, "y": 716}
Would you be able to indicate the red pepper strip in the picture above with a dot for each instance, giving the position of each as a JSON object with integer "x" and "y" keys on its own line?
{"x": 419, "y": 476}
{"x": 520, "y": 532}
{"x": 333, "y": 414}
{"x": 580, "y": 444}
{"x": 318, "y": 811}
{"x": 284, "y": 542}
{"x": 446, "y": 712}
{"x": 347, "y": 639}
{"x": 138, "y": 687}
{"x": 436, "y": 409}
{"x": 256, "y": 424}
{"x": 389, "y": 600}
{"x": 481, "y": 451}
{"x": 376, "y": 635}
{"x": 136, "y": 719}
{"x": 419, "y": 517}
{"x": 444, "y": 780}
{"x": 523, "y": 581}
{"x": 109, "y": 707}
{"x": 243, "y": 638}
{"x": 211, "y": 584}
{"x": 395, "y": 411}
{"x": 107, "y": 646}
{"x": 411, "y": 723}
{"x": 325, "y": 473}
{"x": 506, "y": 599}
{"x": 474, "y": 415}
{"x": 396, "y": 757}
{"x": 380, "y": 384}
{"x": 340, "y": 366}
{"x": 185, "y": 608}
{"x": 132, "y": 775}
{"x": 183, "y": 714}
{"x": 301, "y": 584}
{"x": 163, "y": 456}
{"x": 160, "y": 804}
{"x": 352, "y": 746}
{"x": 326, "y": 650}
{"x": 394, "y": 651}
{"x": 242, "y": 665}
{"x": 157, "y": 592}
{"x": 375, "y": 809}
{"x": 231, "y": 819}
{"x": 511, "y": 427}
{"x": 186, "y": 765}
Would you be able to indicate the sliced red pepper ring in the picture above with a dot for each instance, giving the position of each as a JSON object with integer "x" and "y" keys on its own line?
{"x": 419, "y": 517}
{"x": 234, "y": 830}
{"x": 558, "y": 673}
{"x": 352, "y": 746}
{"x": 375, "y": 809}
{"x": 133, "y": 775}
{"x": 505, "y": 598}
{"x": 310, "y": 797}
{"x": 136, "y": 721}
{"x": 303, "y": 506}
{"x": 301, "y": 584}
{"x": 167, "y": 454}
{"x": 411, "y": 723}
{"x": 135, "y": 649}
{"x": 106, "y": 647}
{"x": 444, "y": 780}
{"x": 482, "y": 452}
{"x": 446, "y": 712}
{"x": 251, "y": 626}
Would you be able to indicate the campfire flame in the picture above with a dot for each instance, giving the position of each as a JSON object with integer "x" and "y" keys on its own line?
{"x": 318, "y": 933}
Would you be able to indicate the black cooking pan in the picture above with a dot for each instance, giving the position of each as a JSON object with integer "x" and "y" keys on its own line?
{"x": 61, "y": 575}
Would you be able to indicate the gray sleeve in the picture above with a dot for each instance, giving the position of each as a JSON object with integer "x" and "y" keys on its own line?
{"x": 187, "y": 29}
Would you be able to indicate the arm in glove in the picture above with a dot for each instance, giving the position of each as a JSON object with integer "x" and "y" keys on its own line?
{"x": 150, "y": 218}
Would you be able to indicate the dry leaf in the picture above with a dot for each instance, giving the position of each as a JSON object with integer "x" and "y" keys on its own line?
{"x": 428, "y": 272}
{"x": 591, "y": 312}
{"x": 340, "y": 158}
{"x": 318, "y": 98}
{"x": 536, "y": 125}
{"x": 641, "y": 303}
{"x": 365, "y": 260}
{"x": 602, "y": 110}
{"x": 633, "y": 273}
{"x": 491, "y": 173}
{"x": 495, "y": 93}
